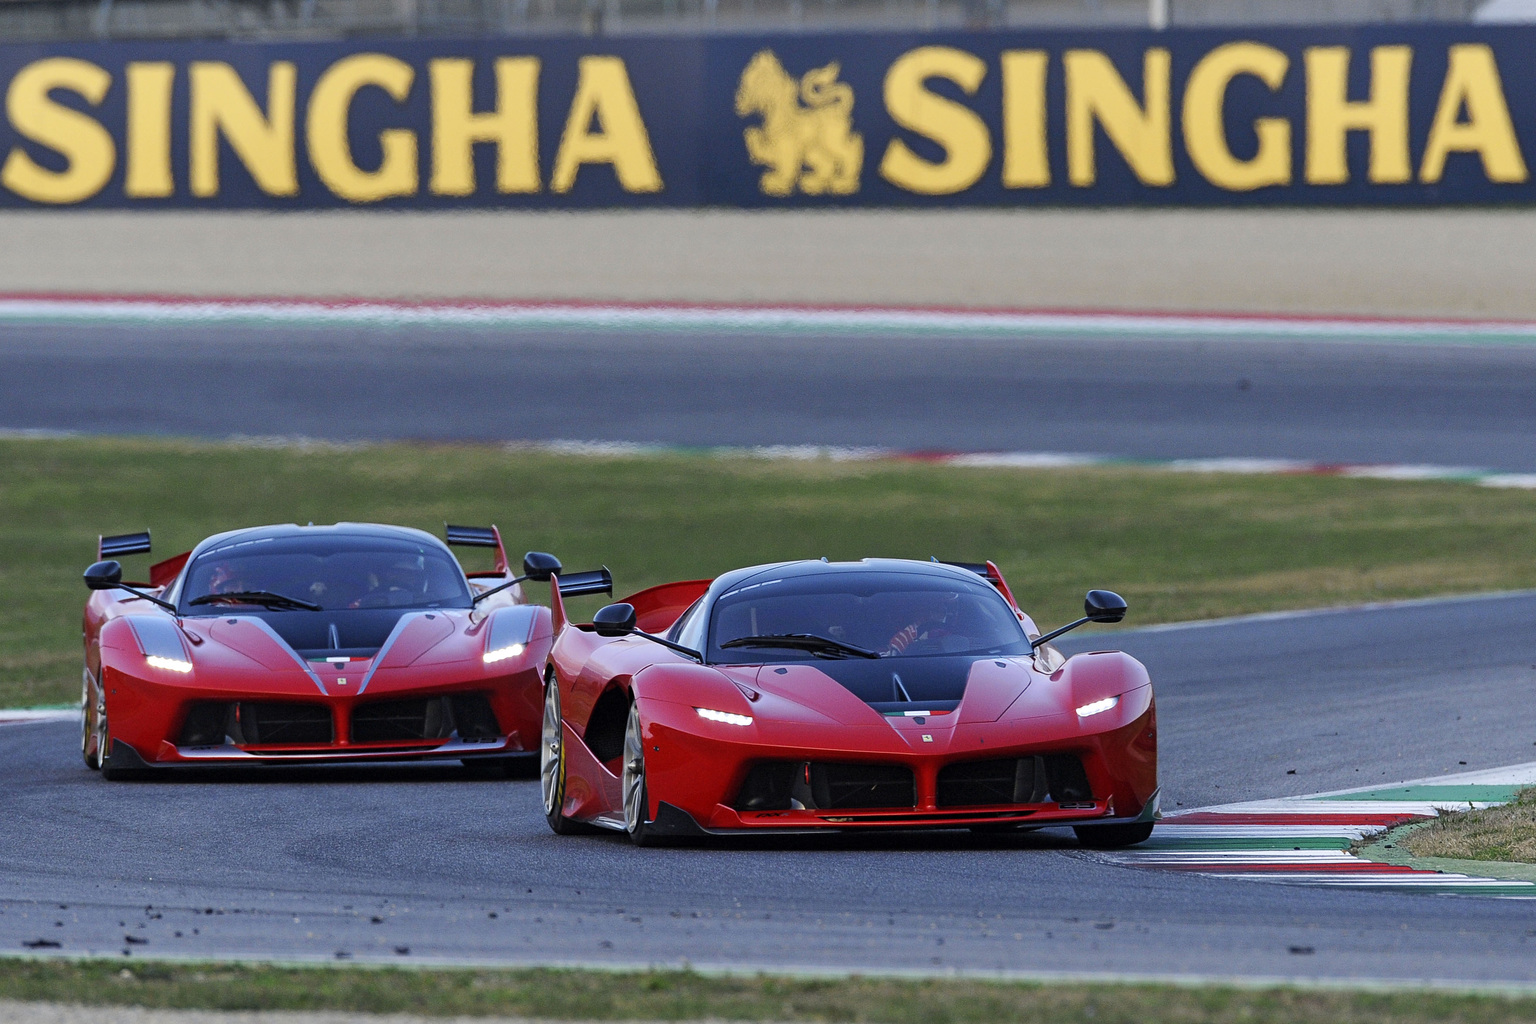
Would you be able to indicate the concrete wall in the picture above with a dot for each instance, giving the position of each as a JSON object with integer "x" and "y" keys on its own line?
{"x": 1470, "y": 263}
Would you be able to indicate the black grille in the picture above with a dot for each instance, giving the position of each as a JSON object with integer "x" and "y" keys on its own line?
{"x": 979, "y": 783}
{"x": 432, "y": 718}
{"x": 1024, "y": 780}
{"x": 1068, "y": 781}
{"x": 250, "y": 723}
{"x": 818, "y": 785}
{"x": 846, "y": 786}
{"x": 769, "y": 786}
{"x": 207, "y": 724}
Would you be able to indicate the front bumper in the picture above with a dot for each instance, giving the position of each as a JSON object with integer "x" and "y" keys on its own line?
{"x": 153, "y": 719}
{"x": 699, "y": 772}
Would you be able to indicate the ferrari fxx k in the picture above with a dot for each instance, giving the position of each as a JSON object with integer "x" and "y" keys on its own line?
{"x": 814, "y": 696}
{"x": 301, "y": 644}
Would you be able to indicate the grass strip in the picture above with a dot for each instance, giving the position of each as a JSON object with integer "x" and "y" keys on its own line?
{"x": 1504, "y": 833}
{"x": 684, "y": 995}
{"x": 1178, "y": 546}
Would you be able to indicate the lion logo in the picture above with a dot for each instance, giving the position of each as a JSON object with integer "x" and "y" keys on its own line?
{"x": 807, "y": 137}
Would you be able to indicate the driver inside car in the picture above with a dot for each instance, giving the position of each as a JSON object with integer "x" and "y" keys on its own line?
{"x": 930, "y": 617}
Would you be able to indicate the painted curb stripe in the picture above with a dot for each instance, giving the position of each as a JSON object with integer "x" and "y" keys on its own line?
{"x": 795, "y": 317}
{"x": 1306, "y": 840}
{"x": 1438, "y": 794}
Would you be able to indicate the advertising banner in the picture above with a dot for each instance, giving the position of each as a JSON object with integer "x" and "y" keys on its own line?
{"x": 1310, "y": 116}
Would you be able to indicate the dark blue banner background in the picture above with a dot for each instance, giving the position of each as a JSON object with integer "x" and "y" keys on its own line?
{"x": 686, "y": 93}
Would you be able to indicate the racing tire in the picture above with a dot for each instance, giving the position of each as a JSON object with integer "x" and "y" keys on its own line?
{"x": 88, "y": 730}
{"x": 1113, "y": 837}
{"x": 552, "y": 766}
{"x": 637, "y": 796}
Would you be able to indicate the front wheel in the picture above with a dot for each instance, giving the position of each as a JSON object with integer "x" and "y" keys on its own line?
{"x": 552, "y": 765}
{"x": 637, "y": 799}
{"x": 1113, "y": 837}
{"x": 90, "y": 715}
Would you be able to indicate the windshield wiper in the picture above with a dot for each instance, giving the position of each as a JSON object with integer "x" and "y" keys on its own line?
{"x": 801, "y": 641}
{"x": 261, "y": 597}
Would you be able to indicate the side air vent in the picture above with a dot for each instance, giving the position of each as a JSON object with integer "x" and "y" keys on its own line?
{"x": 434, "y": 718}
{"x": 818, "y": 785}
{"x": 254, "y": 723}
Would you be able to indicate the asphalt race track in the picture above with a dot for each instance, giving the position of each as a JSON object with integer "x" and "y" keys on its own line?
{"x": 421, "y": 864}
{"x": 1327, "y": 401}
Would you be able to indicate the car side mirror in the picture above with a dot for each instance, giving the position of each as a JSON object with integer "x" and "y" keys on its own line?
{"x": 1104, "y": 606}
{"x": 614, "y": 620}
{"x": 540, "y": 565}
{"x": 104, "y": 575}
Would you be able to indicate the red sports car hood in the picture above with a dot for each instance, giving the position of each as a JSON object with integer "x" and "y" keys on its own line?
{"x": 413, "y": 636}
{"x": 862, "y": 692}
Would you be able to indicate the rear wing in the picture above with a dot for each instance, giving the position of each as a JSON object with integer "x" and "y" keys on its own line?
{"x": 595, "y": 581}
{"x": 122, "y": 544}
{"x": 479, "y": 537}
{"x": 987, "y": 571}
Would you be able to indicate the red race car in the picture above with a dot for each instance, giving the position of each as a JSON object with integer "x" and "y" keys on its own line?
{"x": 813, "y": 696}
{"x": 301, "y": 644}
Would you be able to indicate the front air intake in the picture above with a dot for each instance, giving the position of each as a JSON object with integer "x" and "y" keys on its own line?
{"x": 1055, "y": 778}
{"x": 1068, "y": 782}
{"x": 433, "y": 718}
{"x": 983, "y": 783}
{"x": 255, "y": 723}
{"x": 822, "y": 785}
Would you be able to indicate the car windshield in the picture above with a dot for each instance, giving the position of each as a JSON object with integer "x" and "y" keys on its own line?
{"x": 334, "y": 571}
{"x": 859, "y": 615}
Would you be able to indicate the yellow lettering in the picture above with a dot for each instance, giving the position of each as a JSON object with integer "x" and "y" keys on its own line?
{"x": 603, "y": 91}
{"x": 221, "y": 105}
{"x": 1097, "y": 93}
{"x": 1472, "y": 81}
{"x": 1026, "y": 163}
{"x": 956, "y": 128}
{"x": 513, "y": 126}
{"x": 1205, "y": 134}
{"x": 325, "y": 129}
{"x": 148, "y": 174}
{"x": 1331, "y": 116}
{"x": 85, "y": 145}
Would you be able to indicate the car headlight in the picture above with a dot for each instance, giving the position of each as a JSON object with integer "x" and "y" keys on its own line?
{"x": 1097, "y": 706}
{"x": 503, "y": 653}
{"x": 725, "y": 717}
{"x": 172, "y": 664}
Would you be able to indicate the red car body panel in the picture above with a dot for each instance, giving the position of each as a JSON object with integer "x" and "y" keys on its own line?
{"x": 237, "y": 658}
{"x": 1012, "y": 707}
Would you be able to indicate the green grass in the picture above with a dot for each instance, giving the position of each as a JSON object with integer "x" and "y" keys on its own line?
{"x": 1505, "y": 833}
{"x": 1178, "y": 546}
{"x": 683, "y": 995}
